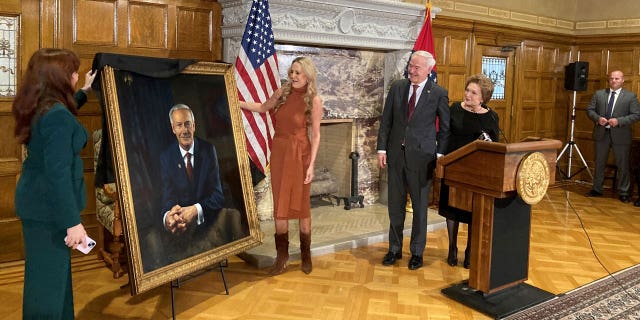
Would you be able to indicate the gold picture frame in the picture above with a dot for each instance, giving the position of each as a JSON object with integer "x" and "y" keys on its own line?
{"x": 136, "y": 109}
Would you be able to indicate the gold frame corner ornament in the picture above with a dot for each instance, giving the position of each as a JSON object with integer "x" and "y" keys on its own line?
{"x": 532, "y": 178}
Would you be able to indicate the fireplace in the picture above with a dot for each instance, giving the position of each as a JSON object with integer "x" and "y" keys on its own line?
{"x": 359, "y": 48}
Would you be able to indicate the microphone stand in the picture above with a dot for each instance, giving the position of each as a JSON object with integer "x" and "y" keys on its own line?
{"x": 570, "y": 146}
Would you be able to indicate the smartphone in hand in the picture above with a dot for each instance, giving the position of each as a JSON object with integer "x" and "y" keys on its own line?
{"x": 86, "y": 248}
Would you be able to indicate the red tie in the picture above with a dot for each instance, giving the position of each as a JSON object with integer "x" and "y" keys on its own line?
{"x": 189, "y": 167}
{"x": 412, "y": 102}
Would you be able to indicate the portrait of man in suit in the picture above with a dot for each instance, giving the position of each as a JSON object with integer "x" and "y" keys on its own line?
{"x": 613, "y": 110}
{"x": 408, "y": 144}
{"x": 191, "y": 187}
{"x": 192, "y": 202}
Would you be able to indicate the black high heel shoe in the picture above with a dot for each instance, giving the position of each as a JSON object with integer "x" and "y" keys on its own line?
{"x": 467, "y": 259}
{"x": 452, "y": 257}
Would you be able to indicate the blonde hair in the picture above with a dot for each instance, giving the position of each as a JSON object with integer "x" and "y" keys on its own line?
{"x": 309, "y": 70}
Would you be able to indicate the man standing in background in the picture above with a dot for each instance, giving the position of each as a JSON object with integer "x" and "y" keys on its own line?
{"x": 613, "y": 111}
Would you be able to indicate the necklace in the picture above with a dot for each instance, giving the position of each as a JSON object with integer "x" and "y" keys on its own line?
{"x": 470, "y": 108}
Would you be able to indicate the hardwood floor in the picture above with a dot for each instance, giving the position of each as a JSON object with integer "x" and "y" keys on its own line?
{"x": 574, "y": 240}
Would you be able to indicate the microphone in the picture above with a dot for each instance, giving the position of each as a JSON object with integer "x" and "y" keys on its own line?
{"x": 484, "y": 136}
{"x": 493, "y": 117}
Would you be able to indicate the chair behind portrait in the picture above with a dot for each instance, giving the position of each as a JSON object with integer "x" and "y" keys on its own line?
{"x": 109, "y": 216}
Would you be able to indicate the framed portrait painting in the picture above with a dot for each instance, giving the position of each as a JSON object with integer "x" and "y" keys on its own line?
{"x": 181, "y": 169}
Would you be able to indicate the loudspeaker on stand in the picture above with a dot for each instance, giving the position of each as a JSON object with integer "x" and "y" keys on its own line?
{"x": 575, "y": 76}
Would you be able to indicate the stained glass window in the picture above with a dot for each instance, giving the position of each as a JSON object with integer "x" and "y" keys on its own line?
{"x": 8, "y": 55}
{"x": 496, "y": 69}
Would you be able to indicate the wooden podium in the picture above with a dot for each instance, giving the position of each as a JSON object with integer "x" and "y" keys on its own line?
{"x": 483, "y": 178}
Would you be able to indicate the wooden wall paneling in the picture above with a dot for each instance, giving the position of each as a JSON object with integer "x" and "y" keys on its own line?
{"x": 597, "y": 62}
{"x": 194, "y": 30}
{"x": 7, "y": 191}
{"x": 49, "y": 15}
{"x": 453, "y": 55}
{"x": 459, "y": 53}
{"x": 542, "y": 68}
{"x": 582, "y": 131}
{"x": 10, "y": 151}
{"x": 527, "y": 98}
{"x": 563, "y": 98}
{"x": 622, "y": 59}
{"x": 148, "y": 25}
{"x": 94, "y": 23}
{"x": 12, "y": 248}
{"x": 526, "y": 109}
{"x": 546, "y": 106}
{"x": 11, "y": 6}
{"x": 189, "y": 29}
{"x": 597, "y": 79}
{"x": 554, "y": 59}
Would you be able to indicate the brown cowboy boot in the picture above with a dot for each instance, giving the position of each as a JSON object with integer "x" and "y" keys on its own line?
{"x": 305, "y": 252}
{"x": 282, "y": 254}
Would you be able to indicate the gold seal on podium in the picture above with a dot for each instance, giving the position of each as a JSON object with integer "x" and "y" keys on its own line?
{"x": 532, "y": 178}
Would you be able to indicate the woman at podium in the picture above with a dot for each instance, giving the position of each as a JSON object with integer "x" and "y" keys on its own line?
{"x": 471, "y": 120}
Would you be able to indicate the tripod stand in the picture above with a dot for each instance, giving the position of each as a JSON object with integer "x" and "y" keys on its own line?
{"x": 570, "y": 146}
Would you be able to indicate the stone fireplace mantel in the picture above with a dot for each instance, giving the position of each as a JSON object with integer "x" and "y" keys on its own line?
{"x": 385, "y": 25}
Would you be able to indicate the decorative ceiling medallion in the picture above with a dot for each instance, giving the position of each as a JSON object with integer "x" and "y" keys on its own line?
{"x": 532, "y": 178}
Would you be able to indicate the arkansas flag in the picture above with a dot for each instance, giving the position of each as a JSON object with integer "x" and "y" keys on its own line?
{"x": 425, "y": 43}
{"x": 425, "y": 40}
{"x": 257, "y": 77}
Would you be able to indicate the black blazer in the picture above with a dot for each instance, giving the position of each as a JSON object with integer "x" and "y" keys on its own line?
{"x": 418, "y": 134}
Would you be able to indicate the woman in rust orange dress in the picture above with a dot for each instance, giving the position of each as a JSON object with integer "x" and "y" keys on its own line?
{"x": 297, "y": 108}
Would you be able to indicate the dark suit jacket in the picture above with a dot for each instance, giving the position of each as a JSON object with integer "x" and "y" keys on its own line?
{"x": 51, "y": 187}
{"x": 419, "y": 133}
{"x": 206, "y": 188}
{"x": 626, "y": 110}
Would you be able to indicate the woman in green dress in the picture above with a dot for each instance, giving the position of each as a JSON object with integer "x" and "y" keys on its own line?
{"x": 51, "y": 192}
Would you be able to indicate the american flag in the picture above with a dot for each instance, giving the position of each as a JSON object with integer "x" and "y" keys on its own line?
{"x": 257, "y": 77}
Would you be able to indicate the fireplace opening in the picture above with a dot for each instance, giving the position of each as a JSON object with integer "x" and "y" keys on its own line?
{"x": 332, "y": 175}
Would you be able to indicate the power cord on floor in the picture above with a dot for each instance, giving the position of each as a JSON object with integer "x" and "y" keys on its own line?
{"x": 593, "y": 250}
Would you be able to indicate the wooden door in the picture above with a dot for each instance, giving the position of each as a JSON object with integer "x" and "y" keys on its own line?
{"x": 503, "y": 104}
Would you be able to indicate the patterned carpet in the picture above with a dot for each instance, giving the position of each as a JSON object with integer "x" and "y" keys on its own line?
{"x": 616, "y": 297}
{"x": 334, "y": 229}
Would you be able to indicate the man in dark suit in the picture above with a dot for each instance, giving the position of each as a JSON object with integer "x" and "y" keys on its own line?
{"x": 613, "y": 111}
{"x": 191, "y": 187}
{"x": 192, "y": 196}
{"x": 407, "y": 147}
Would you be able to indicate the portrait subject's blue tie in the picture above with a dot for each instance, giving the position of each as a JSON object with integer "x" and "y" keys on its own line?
{"x": 607, "y": 114}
